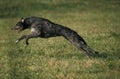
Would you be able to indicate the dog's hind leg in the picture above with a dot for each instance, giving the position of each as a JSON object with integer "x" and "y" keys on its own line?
{"x": 88, "y": 50}
{"x": 79, "y": 42}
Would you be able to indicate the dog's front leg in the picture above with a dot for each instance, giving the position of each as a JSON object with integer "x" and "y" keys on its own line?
{"x": 21, "y": 38}
{"x": 27, "y": 37}
{"x": 31, "y": 36}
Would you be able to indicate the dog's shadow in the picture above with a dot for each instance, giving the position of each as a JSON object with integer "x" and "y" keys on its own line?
{"x": 81, "y": 56}
{"x": 101, "y": 55}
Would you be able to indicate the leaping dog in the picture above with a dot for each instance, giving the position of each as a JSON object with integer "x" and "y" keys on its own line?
{"x": 44, "y": 28}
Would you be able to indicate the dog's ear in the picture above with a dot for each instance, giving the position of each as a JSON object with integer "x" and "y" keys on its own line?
{"x": 22, "y": 20}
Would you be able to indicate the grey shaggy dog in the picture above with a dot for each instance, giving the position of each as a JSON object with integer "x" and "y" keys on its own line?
{"x": 44, "y": 28}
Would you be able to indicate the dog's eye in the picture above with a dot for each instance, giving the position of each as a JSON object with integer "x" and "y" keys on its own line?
{"x": 19, "y": 24}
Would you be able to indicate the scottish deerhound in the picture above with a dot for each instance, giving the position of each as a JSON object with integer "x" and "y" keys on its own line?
{"x": 41, "y": 27}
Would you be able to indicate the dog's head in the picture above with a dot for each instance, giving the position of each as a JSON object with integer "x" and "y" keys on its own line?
{"x": 21, "y": 25}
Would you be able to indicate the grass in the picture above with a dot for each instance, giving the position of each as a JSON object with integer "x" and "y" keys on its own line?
{"x": 97, "y": 21}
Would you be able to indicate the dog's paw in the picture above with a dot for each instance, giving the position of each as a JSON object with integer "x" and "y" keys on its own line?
{"x": 17, "y": 41}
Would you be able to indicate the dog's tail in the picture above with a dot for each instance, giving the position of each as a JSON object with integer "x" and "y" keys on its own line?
{"x": 79, "y": 42}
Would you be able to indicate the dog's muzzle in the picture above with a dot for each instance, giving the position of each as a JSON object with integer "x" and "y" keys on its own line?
{"x": 16, "y": 28}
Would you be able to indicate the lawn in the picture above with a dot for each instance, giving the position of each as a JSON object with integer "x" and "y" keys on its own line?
{"x": 97, "y": 21}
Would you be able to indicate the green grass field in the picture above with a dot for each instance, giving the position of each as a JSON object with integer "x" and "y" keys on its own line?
{"x": 97, "y": 21}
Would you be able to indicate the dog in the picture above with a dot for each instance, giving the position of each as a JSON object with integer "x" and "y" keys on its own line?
{"x": 44, "y": 28}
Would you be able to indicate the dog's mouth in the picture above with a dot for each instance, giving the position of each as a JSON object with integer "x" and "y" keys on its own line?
{"x": 16, "y": 29}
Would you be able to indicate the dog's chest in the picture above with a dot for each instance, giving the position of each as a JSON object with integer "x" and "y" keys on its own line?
{"x": 33, "y": 30}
